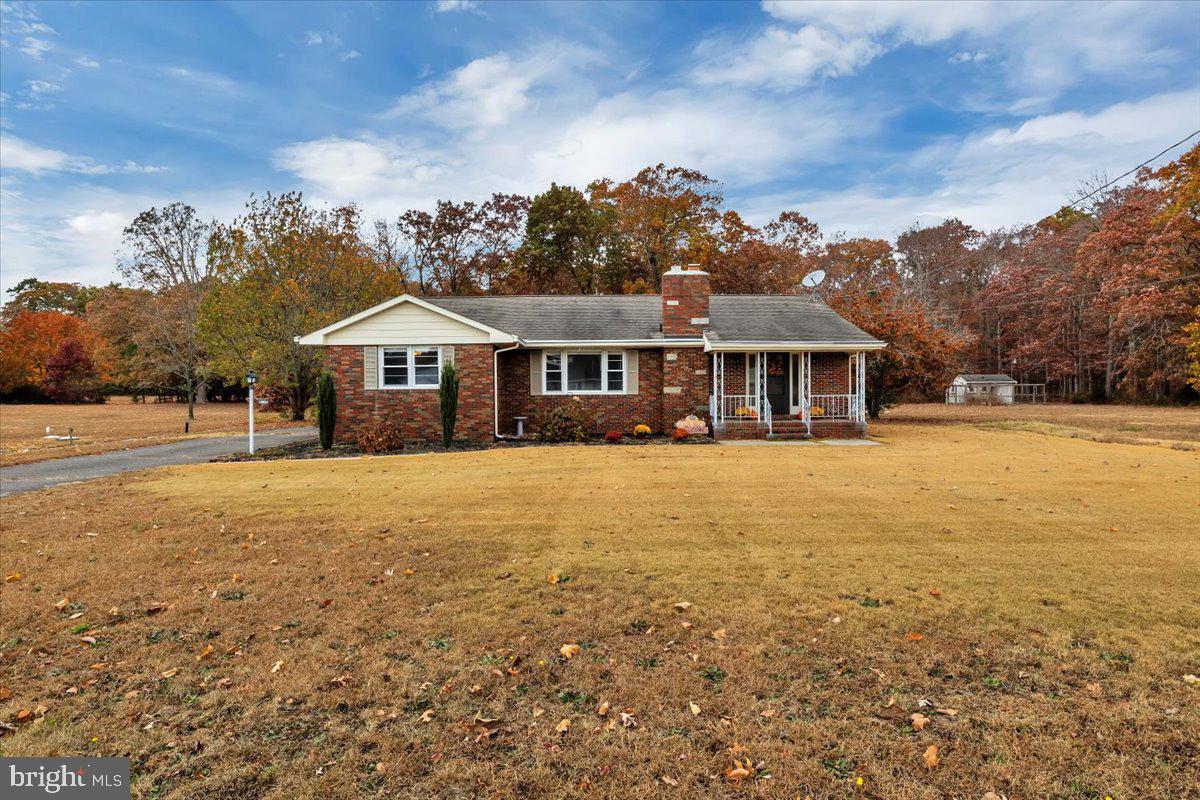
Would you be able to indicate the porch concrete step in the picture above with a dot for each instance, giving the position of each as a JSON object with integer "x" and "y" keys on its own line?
{"x": 788, "y": 435}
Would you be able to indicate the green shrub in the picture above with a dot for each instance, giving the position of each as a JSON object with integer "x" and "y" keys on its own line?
{"x": 569, "y": 422}
{"x": 326, "y": 409}
{"x": 381, "y": 436}
{"x": 448, "y": 398}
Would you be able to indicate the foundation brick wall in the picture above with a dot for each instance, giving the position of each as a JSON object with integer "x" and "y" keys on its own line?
{"x": 418, "y": 410}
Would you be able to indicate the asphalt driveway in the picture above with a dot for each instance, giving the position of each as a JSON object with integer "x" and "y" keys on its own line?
{"x": 44, "y": 474}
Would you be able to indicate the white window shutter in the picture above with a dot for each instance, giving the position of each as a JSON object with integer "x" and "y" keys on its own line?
{"x": 631, "y": 372}
{"x": 535, "y": 371}
{"x": 370, "y": 367}
{"x": 447, "y": 354}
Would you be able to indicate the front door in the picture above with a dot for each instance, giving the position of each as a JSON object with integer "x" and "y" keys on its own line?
{"x": 777, "y": 383}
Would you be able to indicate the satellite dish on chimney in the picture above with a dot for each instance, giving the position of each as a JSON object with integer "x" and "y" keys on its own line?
{"x": 813, "y": 279}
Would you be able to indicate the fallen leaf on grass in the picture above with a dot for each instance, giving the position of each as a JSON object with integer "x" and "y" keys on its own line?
{"x": 628, "y": 720}
{"x": 767, "y": 713}
{"x": 5, "y": 693}
{"x": 669, "y": 781}
{"x": 719, "y": 634}
{"x": 486, "y": 727}
{"x": 739, "y": 772}
{"x": 935, "y": 592}
{"x": 170, "y": 673}
{"x": 1095, "y": 689}
{"x": 919, "y": 721}
{"x": 563, "y": 726}
{"x": 12, "y": 577}
{"x": 277, "y": 666}
{"x": 695, "y": 709}
{"x": 602, "y": 709}
{"x": 205, "y": 653}
{"x": 61, "y": 604}
{"x": 913, "y": 636}
{"x": 1191, "y": 680}
{"x": 427, "y": 715}
{"x": 23, "y": 715}
{"x": 931, "y": 756}
{"x": 569, "y": 651}
{"x": 949, "y": 712}
{"x": 553, "y": 578}
{"x": 683, "y": 606}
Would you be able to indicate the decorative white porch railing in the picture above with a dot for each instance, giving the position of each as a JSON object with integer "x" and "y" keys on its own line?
{"x": 753, "y": 408}
{"x": 835, "y": 407}
{"x": 740, "y": 408}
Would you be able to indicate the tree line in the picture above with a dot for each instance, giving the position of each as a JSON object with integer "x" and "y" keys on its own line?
{"x": 1100, "y": 300}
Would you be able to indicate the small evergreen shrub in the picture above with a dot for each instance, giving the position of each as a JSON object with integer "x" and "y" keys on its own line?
{"x": 326, "y": 409}
{"x": 381, "y": 436}
{"x": 448, "y": 400}
{"x": 614, "y": 437}
{"x": 568, "y": 422}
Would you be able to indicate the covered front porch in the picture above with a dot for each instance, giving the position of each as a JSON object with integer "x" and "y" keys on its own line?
{"x": 788, "y": 394}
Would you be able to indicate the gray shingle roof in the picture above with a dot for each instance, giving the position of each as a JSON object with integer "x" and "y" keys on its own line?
{"x": 979, "y": 378}
{"x": 733, "y": 318}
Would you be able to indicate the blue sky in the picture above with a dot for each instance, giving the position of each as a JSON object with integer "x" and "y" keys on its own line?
{"x": 865, "y": 117}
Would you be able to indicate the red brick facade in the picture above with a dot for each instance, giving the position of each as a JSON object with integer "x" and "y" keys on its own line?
{"x": 418, "y": 410}
{"x": 684, "y": 299}
{"x": 672, "y": 383}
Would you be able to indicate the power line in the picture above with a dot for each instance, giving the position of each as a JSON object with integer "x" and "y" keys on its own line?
{"x": 1135, "y": 169}
{"x": 1192, "y": 135}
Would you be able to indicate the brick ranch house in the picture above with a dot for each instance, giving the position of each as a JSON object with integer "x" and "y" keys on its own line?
{"x": 754, "y": 366}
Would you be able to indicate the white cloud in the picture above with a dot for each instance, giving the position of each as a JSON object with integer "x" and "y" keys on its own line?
{"x": 37, "y": 88}
{"x": 1007, "y": 176}
{"x": 87, "y": 63}
{"x": 967, "y": 57}
{"x": 27, "y": 157}
{"x": 349, "y": 55}
{"x": 781, "y": 58}
{"x": 35, "y": 47}
{"x": 22, "y": 156}
{"x": 202, "y": 79}
{"x": 318, "y": 38}
{"x": 450, "y": 6}
{"x": 486, "y": 92}
{"x": 1040, "y": 48}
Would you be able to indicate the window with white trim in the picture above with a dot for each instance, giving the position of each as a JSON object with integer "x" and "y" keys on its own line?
{"x": 413, "y": 367}
{"x": 583, "y": 372}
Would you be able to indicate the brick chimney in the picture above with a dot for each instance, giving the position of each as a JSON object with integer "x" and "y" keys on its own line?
{"x": 685, "y": 292}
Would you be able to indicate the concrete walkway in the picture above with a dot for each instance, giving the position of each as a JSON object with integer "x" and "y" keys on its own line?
{"x": 44, "y": 474}
{"x": 798, "y": 442}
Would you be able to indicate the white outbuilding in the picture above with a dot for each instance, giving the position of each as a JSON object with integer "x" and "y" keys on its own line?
{"x": 983, "y": 389}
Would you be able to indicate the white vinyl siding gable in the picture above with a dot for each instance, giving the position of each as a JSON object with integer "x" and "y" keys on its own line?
{"x": 407, "y": 324}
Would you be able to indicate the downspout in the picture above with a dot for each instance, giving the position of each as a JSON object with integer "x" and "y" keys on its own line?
{"x": 496, "y": 388}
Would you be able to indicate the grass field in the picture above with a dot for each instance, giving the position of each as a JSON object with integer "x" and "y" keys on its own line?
{"x": 115, "y": 425}
{"x": 401, "y": 626}
{"x": 1154, "y": 425}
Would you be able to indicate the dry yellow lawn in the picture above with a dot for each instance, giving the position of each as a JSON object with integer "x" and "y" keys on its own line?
{"x": 115, "y": 425}
{"x": 1177, "y": 427}
{"x": 386, "y": 627}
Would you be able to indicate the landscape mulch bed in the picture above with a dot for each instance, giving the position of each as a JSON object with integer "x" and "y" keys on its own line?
{"x": 312, "y": 449}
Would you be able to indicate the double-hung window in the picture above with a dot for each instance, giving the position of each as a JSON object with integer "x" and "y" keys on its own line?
{"x": 413, "y": 367}
{"x": 589, "y": 372}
